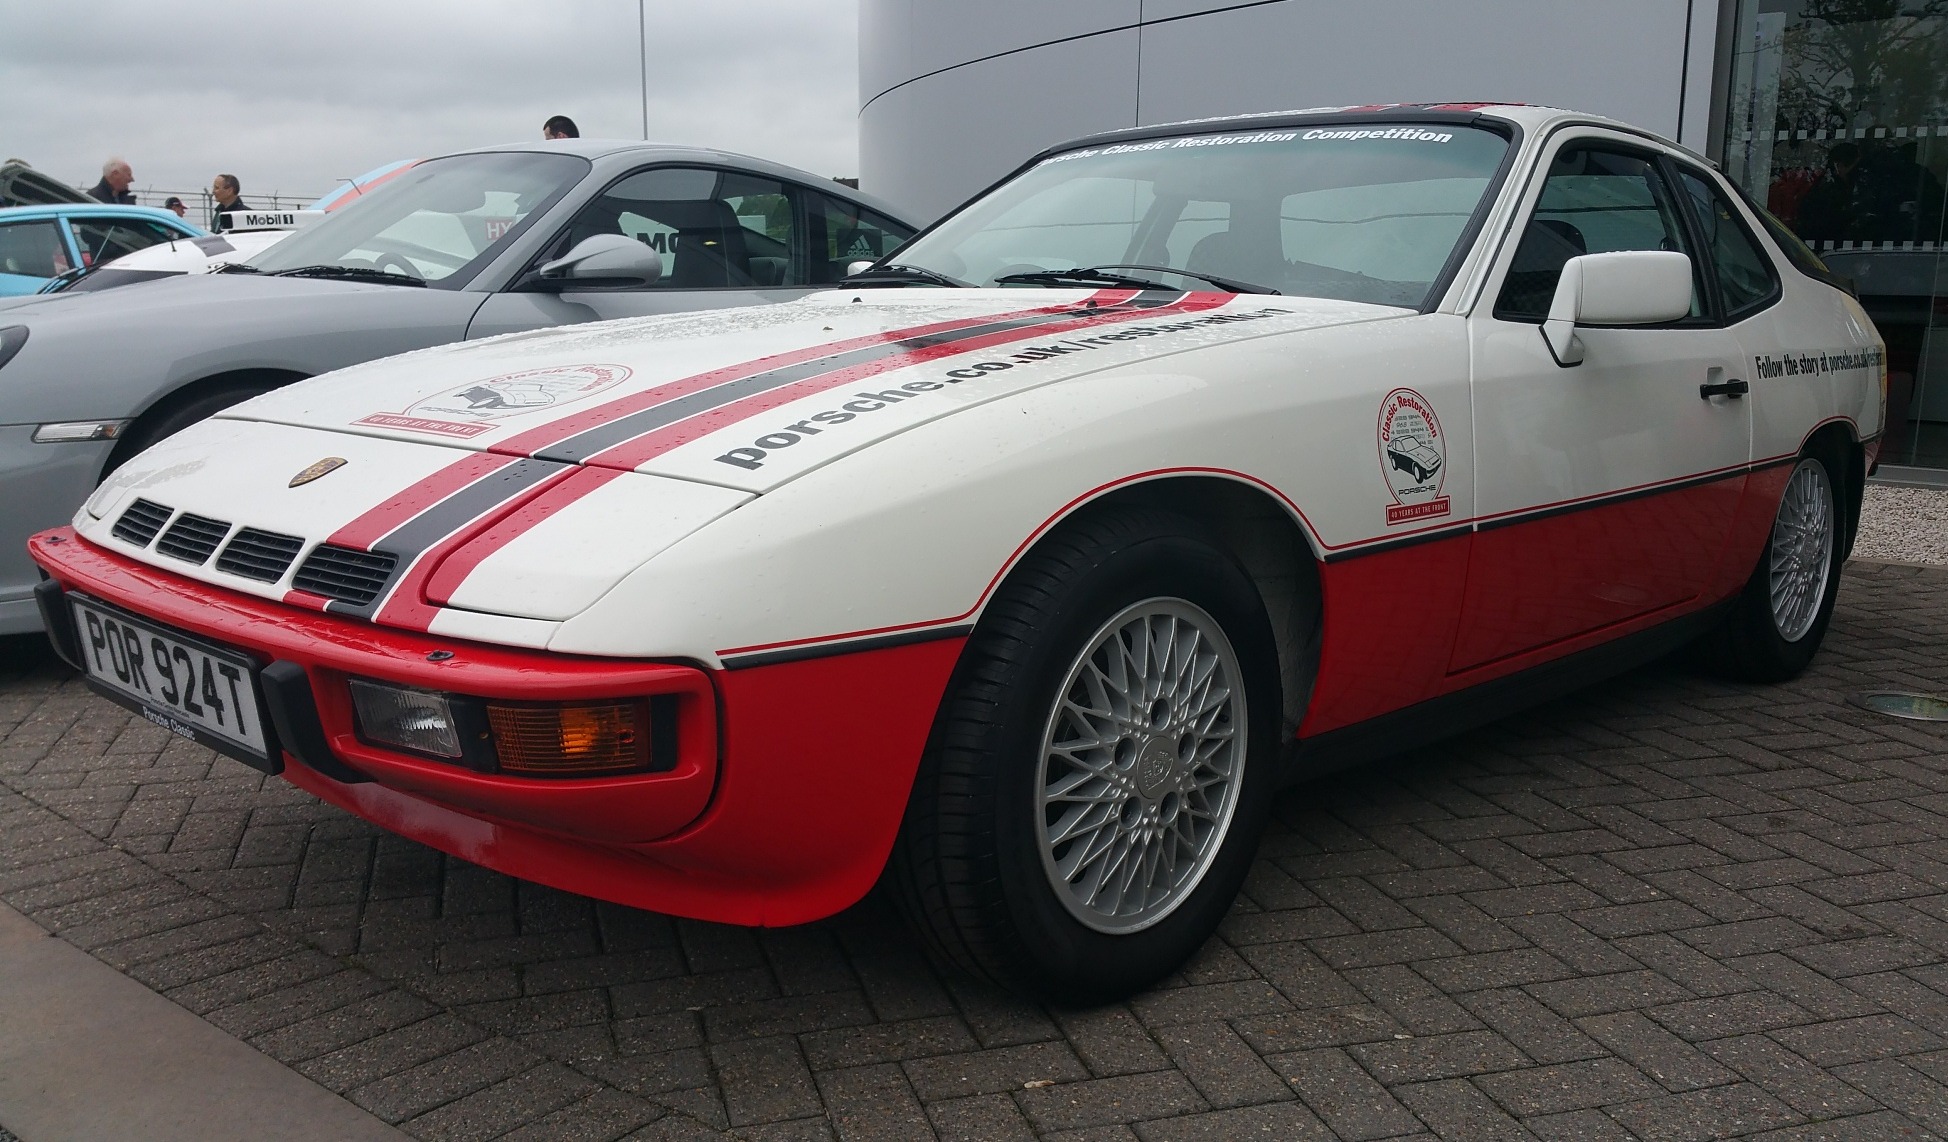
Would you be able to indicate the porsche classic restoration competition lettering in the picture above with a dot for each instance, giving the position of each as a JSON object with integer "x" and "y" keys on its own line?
{"x": 1036, "y": 573}
{"x": 1412, "y": 134}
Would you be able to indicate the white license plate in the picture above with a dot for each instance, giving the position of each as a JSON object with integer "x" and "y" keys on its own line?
{"x": 202, "y": 692}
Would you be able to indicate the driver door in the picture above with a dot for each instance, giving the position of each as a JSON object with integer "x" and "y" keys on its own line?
{"x": 726, "y": 239}
{"x": 1604, "y": 492}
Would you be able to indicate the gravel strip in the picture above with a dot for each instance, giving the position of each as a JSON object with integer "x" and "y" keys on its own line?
{"x": 1903, "y": 525}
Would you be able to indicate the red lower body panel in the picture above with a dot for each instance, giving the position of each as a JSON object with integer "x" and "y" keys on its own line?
{"x": 789, "y": 788}
{"x": 1401, "y": 628}
{"x": 1537, "y": 582}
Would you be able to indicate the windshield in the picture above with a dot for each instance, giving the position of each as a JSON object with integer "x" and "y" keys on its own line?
{"x": 439, "y": 222}
{"x": 1365, "y": 213}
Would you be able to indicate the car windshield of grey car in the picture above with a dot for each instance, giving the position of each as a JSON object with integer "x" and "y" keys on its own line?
{"x": 439, "y": 223}
{"x": 1363, "y": 212}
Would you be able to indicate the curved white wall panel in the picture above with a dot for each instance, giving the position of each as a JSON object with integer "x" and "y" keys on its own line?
{"x": 955, "y": 94}
{"x": 931, "y": 143}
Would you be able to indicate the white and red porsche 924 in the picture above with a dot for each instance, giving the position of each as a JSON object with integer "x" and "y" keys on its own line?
{"x": 1185, "y": 463}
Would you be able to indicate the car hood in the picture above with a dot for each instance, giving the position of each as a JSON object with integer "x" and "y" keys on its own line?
{"x": 137, "y": 342}
{"x": 175, "y": 298}
{"x": 750, "y": 398}
{"x": 508, "y": 484}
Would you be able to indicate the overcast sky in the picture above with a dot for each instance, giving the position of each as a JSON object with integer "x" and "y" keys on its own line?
{"x": 292, "y": 96}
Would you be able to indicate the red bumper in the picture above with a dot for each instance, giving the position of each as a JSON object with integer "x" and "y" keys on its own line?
{"x": 790, "y": 782}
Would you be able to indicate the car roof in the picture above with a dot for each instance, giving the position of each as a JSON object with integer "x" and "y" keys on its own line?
{"x": 622, "y": 152}
{"x": 91, "y": 209}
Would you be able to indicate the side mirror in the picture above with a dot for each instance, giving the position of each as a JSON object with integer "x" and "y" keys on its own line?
{"x": 1628, "y": 287}
{"x": 610, "y": 261}
{"x": 858, "y": 267}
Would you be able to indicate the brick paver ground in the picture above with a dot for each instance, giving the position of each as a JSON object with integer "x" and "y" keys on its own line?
{"x": 1665, "y": 908}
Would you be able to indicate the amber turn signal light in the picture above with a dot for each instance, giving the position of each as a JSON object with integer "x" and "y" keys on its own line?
{"x": 589, "y": 740}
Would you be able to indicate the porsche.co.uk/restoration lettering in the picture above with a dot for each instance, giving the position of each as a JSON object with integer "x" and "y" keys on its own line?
{"x": 752, "y": 457}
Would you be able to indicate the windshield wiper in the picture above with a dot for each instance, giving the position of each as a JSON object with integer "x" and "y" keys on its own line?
{"x": 1101, "y": 275}
{"x": 897, "y": 274}
{"x": 349, "y": 273}
{"x": 65, "y": 278}
{"x": 234, "y": 268}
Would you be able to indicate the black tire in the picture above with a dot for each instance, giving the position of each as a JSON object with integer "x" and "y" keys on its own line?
{"x": 171, "y": 419}
{"x": 1750, "y": 645}
{"x": 969, "y": 865}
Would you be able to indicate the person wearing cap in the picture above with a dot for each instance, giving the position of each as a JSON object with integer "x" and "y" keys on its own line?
{"x": 175, "y": 204}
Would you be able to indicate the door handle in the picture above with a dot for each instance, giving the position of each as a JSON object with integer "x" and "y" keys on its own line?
{"x": 1732, "y": 389}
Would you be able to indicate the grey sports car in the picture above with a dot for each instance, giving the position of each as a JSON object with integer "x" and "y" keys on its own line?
{"x": 459, "y": 247}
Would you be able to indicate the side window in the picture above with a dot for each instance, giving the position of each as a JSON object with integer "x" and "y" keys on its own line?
{"x": 105, "y": 239}
{"x": 1594, "y": 201}
{"x": 714, "y": 228}
{"x": 843, "y": 233}
{"x": 33, "y": 249}
{"x": 1745, "y": 275}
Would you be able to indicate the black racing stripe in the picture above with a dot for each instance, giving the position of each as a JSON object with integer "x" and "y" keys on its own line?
{"x": 588, "y": 443}
{"x": 464, "y": 506}
{"x": 1399, "y": 542}
{"x": 1430, "y": 536}
{"x": 847, "y": 646}
{"x": 416, "y": 536}
{"x": 1617, "y": 498}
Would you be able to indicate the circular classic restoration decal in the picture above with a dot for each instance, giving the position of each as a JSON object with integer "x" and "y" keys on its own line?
{"x": 1413, "y": 456}
{"x": 472, "y": 408}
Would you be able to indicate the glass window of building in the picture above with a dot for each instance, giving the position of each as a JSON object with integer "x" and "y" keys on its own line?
{"x": 1837, "y": 122}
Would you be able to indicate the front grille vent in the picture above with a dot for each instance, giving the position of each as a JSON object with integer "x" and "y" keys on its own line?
{"x": 192, "y": 537}
{"x": 260, "y": 555}
{"x": 345, "y": 574}
{"x": 140, "y": 522}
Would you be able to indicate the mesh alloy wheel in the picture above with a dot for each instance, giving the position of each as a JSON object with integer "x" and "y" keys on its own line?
{"x": 1802, "y": 550}
{"x": 1140, "y": 765}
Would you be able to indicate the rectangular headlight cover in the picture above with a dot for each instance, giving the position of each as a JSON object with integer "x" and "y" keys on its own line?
{"x": 414, "y": 720}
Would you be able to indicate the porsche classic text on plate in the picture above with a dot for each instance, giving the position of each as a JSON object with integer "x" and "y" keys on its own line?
{"x": 1021, "y": 570}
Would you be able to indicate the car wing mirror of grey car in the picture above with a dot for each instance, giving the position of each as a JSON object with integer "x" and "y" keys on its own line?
{"x": 604, "y": 261}
{"x": 1623, "y": 287}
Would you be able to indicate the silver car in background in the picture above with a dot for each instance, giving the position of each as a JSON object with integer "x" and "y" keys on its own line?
{"x": 460, "y": 247}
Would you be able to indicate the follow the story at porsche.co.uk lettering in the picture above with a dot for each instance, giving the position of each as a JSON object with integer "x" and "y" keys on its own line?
{"x": 1038, "y": 574}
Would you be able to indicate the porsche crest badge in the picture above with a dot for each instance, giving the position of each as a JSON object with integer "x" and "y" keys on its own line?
{"x": 323, "y": 467}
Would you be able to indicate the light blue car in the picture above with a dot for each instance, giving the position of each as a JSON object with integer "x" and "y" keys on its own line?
{"x": 38, "y": 243}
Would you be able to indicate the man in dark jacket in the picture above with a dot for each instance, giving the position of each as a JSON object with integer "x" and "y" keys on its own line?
{"x": 114, "y": 185}
{"x": 224, "y": 188}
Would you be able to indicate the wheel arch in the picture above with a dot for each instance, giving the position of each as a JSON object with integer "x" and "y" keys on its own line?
{"x": 160, "y": 409}
{"x": 1265, "y": 534}
{"x": 1840, "y": 441}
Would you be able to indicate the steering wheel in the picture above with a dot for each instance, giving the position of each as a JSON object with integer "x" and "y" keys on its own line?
{"x": 396, "y": 263}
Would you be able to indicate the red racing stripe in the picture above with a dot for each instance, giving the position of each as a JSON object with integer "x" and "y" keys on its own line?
{"x": 548, "y": 499}
{"x": 375, "y": 524}
{"x": 406, "y": 606}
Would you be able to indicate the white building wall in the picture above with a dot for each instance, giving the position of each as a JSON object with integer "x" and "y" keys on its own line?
{"x": 956, "y": 93}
